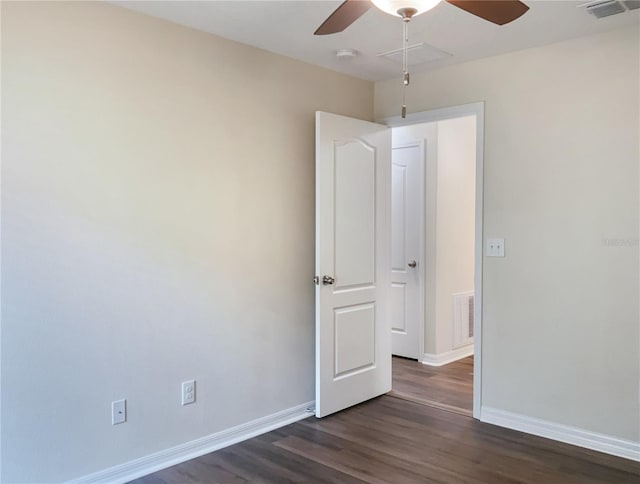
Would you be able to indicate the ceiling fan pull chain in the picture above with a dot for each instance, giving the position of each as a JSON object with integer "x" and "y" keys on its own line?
{"x": 405, "y": 62}
{"x": 405, "y": 50}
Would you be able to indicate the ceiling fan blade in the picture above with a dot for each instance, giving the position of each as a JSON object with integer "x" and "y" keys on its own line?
{"x": 343, "y": 16}
{"x": 497, "y": 11}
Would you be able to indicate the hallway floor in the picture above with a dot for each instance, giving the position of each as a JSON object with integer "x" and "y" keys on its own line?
{"x": 449, "y": 387}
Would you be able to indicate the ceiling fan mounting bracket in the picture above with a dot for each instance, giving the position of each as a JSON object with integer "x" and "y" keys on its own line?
{"x": 407, "y": 13}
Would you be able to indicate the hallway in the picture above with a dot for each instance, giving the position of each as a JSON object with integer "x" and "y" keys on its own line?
{"x": 449, "y": 387}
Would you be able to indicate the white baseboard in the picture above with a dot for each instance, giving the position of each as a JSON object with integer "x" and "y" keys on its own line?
{"x": 439, "y": 359}
{"x": 190, "y": 450}
{"x": 563, "y": 433}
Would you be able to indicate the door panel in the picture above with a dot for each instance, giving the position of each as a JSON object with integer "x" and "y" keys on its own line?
{"x": 353, "y": 240}
{"x": 398, "y": 307}
{"x": 354, "y": 339}
{"x": 354, "y": 206}
{"x": 398, "y": 217}
{"x": 406, "y": 225}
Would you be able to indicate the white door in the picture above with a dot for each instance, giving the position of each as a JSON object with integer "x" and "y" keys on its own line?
{"x": 406, "y": 267}
{"x": 353, "y": 200}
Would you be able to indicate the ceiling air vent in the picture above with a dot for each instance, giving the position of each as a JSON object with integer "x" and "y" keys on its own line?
{"x": 418, "y": 54}
{"x": 632, "y": 4}
{"x": 605, "y": 8}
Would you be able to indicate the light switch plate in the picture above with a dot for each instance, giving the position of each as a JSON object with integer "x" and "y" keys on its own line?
{"x": 495, "y": 247}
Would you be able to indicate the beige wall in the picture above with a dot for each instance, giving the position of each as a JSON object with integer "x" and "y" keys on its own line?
{"x": 157, "y": 226}
{"x": 560, "y": 311}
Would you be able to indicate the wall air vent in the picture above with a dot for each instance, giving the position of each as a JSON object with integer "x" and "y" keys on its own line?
{"x": 462, "y": 319}
{"x": 632, "y": 4}
{"x": 605, "y": 8}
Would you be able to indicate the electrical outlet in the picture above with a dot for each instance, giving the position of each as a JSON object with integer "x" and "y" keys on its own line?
{"x": 495, "y": 247}
{"x": 188, "y": 392}
{"x": 118, "y": 412}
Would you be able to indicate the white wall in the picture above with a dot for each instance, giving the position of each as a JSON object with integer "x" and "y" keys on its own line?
{"x": 455, "y": 225}
{"x": 157, "y": 212}
{"x": 449, "y": 220}
{"x": 560, "y": 311}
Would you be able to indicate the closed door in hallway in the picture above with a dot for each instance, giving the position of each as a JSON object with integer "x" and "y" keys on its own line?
{"x": 406, "y": 264}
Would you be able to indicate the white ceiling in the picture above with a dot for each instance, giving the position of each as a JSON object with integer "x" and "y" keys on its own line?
{"x": 286, "y": 27}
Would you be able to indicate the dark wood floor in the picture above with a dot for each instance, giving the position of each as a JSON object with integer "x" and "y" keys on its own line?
{"x": 449, "y": 387}
{"x": 390, "y": 440}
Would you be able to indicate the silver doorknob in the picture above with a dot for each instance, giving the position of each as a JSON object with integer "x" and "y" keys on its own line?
{"x": 328, "y": 280}
{"x": 412, "y": 264}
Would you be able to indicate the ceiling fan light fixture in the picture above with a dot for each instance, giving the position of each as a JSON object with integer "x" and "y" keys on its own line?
{"x": 394, "y": 7}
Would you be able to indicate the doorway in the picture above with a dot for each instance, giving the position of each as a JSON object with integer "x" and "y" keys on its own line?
{"x": 436, "y": 257}
{"x": 353, "y": 339}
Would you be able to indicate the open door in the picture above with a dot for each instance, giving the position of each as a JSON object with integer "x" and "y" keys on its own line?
{"x": 353, "y": 247}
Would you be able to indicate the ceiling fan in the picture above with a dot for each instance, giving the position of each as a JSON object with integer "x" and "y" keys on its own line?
{"x": 496, "y": 11}
{"x": 499, "y": 12}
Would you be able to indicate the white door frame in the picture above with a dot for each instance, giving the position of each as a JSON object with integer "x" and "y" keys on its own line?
{"x": 442, "y": 114}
